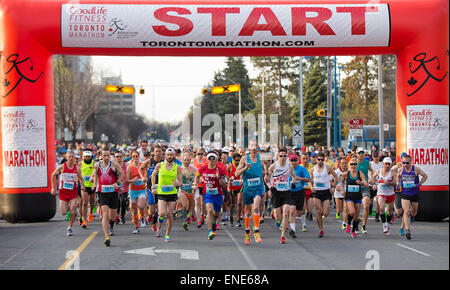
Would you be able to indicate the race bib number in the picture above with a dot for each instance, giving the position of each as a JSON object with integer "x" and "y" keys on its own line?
{"x": 282, "y": 186}
{"x": 107, "y": 188}
{"x": 319, "y": 184}
{"x": 186, "y": 187}
{"x": 253, "y": 182}
{"x": 237, "y": 182}
{"x": 68, "y": 185}
{"x": 353, "y": 188}
{"x": 212, "y": 191}
{"x": 409, "y": 184}
{"x": 166, "y": 188}
{"x": 86, "y": 178}
{"x": 139, "y": 182}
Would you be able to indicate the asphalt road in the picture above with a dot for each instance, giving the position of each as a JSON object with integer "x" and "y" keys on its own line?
{"x": 39, "y": 246}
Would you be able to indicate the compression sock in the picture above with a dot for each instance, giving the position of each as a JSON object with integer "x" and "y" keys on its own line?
{"x": 383, "y": 218}
{"x": 389, "y": 218}
{"x": 256, "y": 221}
{"x": 247, "y": 221}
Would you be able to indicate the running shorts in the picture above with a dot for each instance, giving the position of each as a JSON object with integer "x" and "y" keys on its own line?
{"x": 412, "y": 198}
{"x": 68, "y": 196}
{"x": 137, "y": 194}
{"x": 372, "y": 192}
{"x": 308, "y": 194}
{"x": 216, "y": 200}
{"x": 322, "y": 195}
{"x": 111, "y": 199}
{"x": 388, "y": 198}
{"x": 250, "y": 196}
{"x": 167, "y": 197}
{"x": 280, "y": 198}
{"x": 298, "y": 199}
{"x": 89, "y": 190}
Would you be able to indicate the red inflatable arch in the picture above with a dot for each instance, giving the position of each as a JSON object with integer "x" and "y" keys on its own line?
{"x": 31, "y": 31}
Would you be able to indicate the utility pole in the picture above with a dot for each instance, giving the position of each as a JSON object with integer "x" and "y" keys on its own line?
{"x": 329, "y": 103}
{"x": 380, "y": 102}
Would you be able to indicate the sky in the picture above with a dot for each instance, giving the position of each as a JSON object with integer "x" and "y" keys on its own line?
{"x": 174, "y": 81}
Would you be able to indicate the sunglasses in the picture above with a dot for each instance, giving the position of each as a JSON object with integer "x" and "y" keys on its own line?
{"x": 293, "y": 160}
{"x": 406, "y": 162}
{"x": 118, "y": 156}
{"x": 237, "y": 160}
{"x": 354, "y": 164}
{"x": 283, "y": 156}
{"x": 199, "y": 153}
{"x": 135, "y": 156}
{"x": 212, "y": 158}
{"x": 320, "y": 159}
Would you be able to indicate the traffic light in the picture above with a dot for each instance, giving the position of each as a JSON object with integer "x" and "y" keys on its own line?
{"x": 204, "y": 91}
{"x": 322, "y": 112}
{"x": 119, "y": 89}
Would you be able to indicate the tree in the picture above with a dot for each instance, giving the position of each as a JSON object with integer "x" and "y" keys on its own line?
{"x": 76, "y": 97}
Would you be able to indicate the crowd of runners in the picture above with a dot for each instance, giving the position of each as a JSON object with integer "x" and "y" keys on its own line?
{"x": 235, "y": 187}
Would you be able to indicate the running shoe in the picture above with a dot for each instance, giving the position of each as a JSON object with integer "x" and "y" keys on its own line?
{"x": 84, "y": 225}
{"x": 167, "y": 238}
{"x": 193, "y": 218}
{"x": 154, "y": 227}
{"x": 185, "y": 226}
{"x": 401, "y": 231}
{"x": 149, "y": 220}
{"x": 385, "y": 230}
{"x": 199, "y": 224}
{"x": 107, "y": 242}
{"x": 238, "y": 224}
{"x": 202, "y": 221}
{"x": 292, "y": 233}
{"x": 90, "y": 217}
{"x": 122, "y": 220}
{"x": 354, "y": 235}
{"x": 388, "y": 233}
{"x": 278, "y": 224}
{"x": 344, "y": 226}
{"x": 347, "y": 230}
{"x": 188, "y": 220}
{"x": 143, "y": 223}
{"x": 282, "y": 240}
{"x": 111, "y": 232}
{"x": 363, "y": 230}
{"x": 303, "y": 228}
{"x": 80, "y": 221}
{"x": 412, "y": 219}
{"x": 408, "y": 235}
{"x": 257, "y": 237}
{"x": 217, "y": 227}
{"x": 321, "y": 234}
{"x": 158, "y": 233}
{"x": 211, "y": 235}
{"x": 338, "y": 216}
{"x": 137, "y": 231}
{"x": 261, "y": 220}
{"x": 69, "y": 232}
{"x": 247, "y": 239}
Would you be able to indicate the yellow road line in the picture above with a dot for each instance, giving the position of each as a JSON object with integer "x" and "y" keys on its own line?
{"x": 78, "y": 251}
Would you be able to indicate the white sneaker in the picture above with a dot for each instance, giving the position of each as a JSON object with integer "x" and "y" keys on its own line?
{"x": 385, "y": 229}
{"x": 143, "y": 223}
{"x": 69, "y": 232}
{"x": 137, "y": 231}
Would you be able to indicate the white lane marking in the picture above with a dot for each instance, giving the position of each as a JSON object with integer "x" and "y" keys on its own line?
{"x": 414, "y": 250}
{"x": 246, "y": 256}
{"x": 184, "y": 254}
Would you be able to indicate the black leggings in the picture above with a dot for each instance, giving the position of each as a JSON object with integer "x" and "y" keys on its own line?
{"x": 124, "y": 202}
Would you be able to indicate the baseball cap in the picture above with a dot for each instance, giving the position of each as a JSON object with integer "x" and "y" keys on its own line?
{"x": 87, "y": 153}
{"x": 360, "y": 149}
{"x": 387, "y": 160}
{"x": 313, "y": 154}
{"x": 170, "y": 151}
{"x": 226, "y": 149}
{"x": 403, "y": 154}
{"x": 293, "y": 156}
{"x": 303, "y": 149}
{"x": 211, "y": 154}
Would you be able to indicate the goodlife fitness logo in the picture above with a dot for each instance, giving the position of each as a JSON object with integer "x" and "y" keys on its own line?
{"x": 424, "y": 120}
{"x": 313, "y": 25}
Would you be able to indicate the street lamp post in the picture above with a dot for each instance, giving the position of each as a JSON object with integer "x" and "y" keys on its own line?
{"x": 340, "y": 120}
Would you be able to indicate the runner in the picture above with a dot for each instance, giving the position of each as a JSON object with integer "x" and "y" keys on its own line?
{"x": 365, "y": 167}
{"x": 226, "y": 193}
{"x": 322, "y": 189}
{"x": 376, "y": 165}
{"x": 142, "y": 150}
{"x": 278, "y": 176}
{"x": 251, "y": 169}
{"x": 339, "y": 198}
{"x": 68, "y": 172}
{"x": 146, "y": 171}
{"x": 199, "y": 160}
{"x": 304, "y": 158}
{"x": 408, "y": 178}
{"x": 398, "y": 192}
{"x": 186, "y": 194}
{"x": 108, "y": 177}
{"x": 351, "y": 185}
{"x": 234, "y": 184}
{"x": 169, "y": 177}
{"x": 123, "y": 190}
{"x": 88, "y": 194}
{"x": 214, "y": 178}
{"x": 298, "y": 193}
{"x": 385, "y": 183}
{"x": 137, "y": 192}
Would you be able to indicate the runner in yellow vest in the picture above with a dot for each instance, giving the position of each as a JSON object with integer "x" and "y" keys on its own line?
{"x": 169, "y": 178}
{"x": 87, "y": 195}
